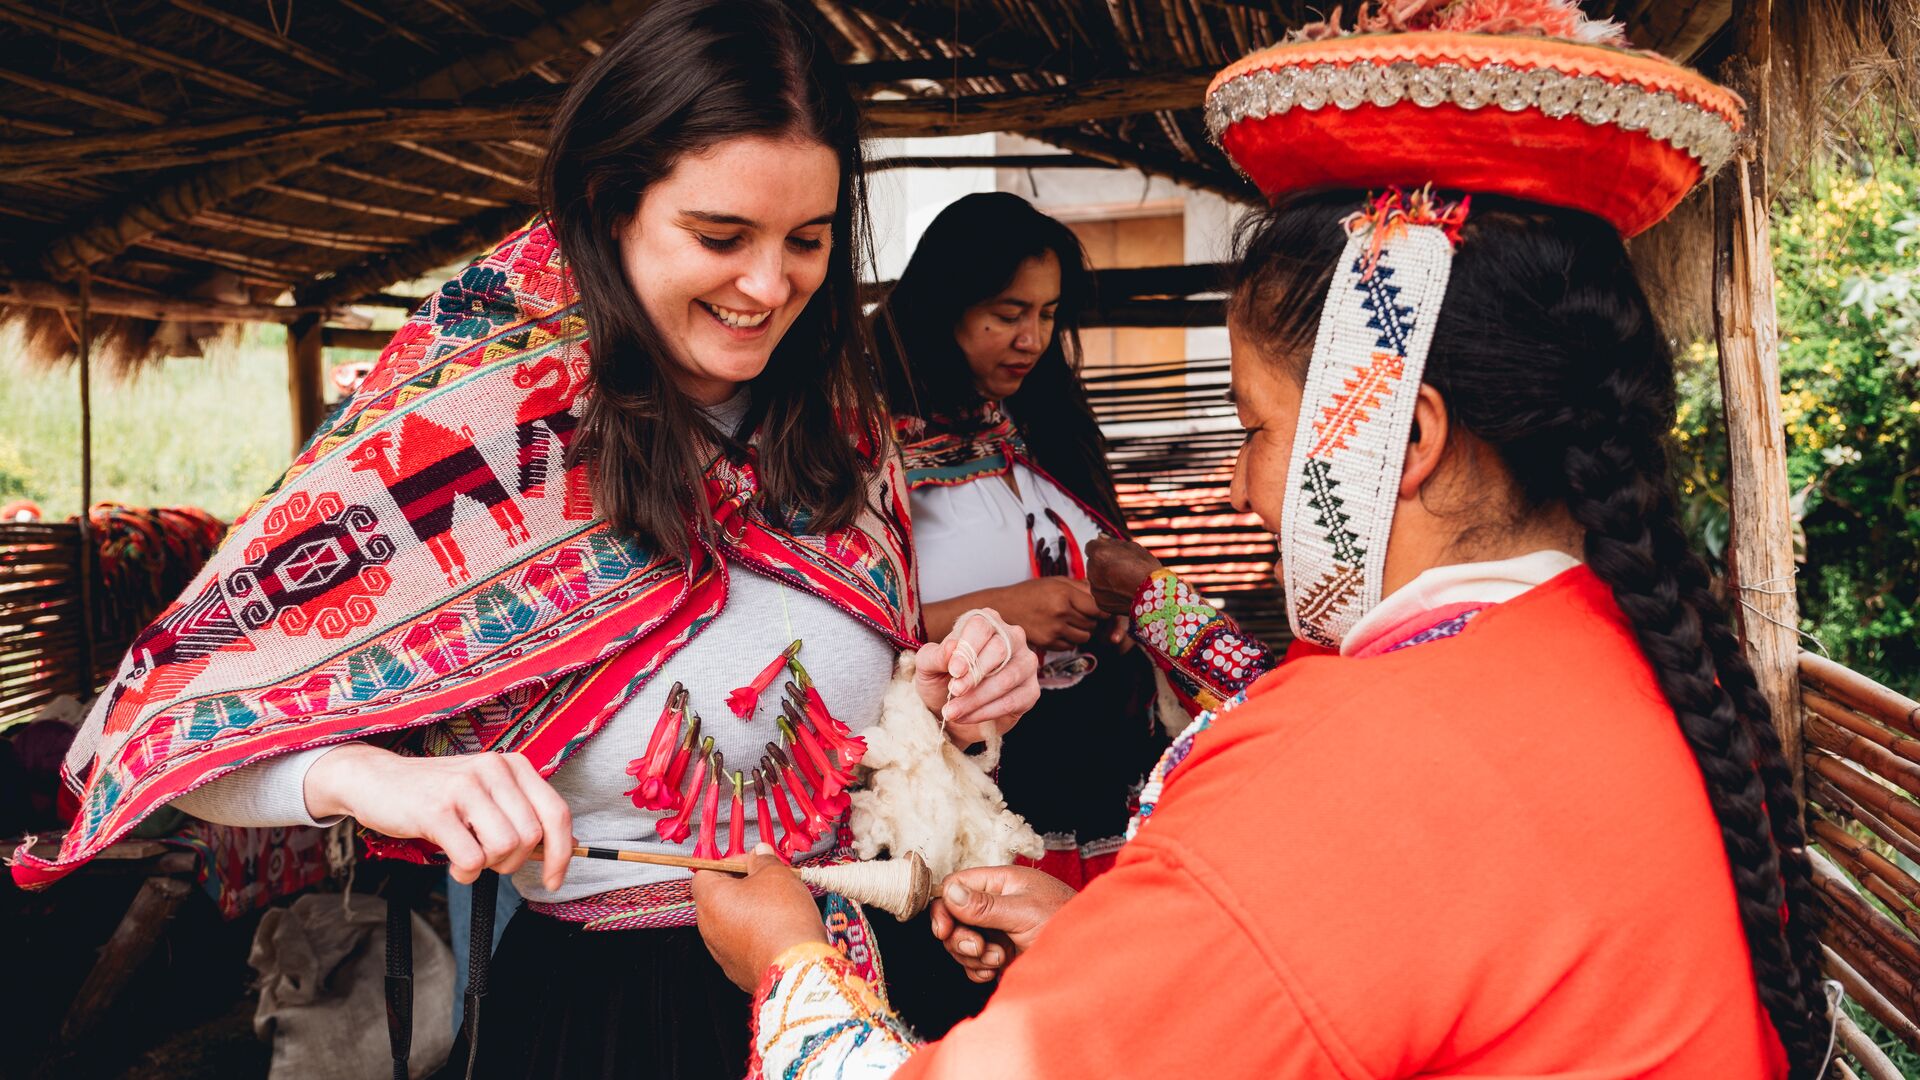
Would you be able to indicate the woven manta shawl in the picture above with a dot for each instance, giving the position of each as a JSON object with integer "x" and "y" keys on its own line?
{"x": 428, "y": 566}
{"x": 946, "y": 451}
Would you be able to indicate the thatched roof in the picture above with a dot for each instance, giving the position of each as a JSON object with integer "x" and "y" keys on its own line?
{"x": 230, "y": 161}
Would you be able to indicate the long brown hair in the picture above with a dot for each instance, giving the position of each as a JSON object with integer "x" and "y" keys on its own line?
{"x": 969, "y": 253}
{"x": 683, "y": 77}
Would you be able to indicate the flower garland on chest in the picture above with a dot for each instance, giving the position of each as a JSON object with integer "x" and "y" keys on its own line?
{"x": 801, "y": 780}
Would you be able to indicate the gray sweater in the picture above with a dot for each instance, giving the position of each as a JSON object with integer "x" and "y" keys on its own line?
{"x": 850, "y": 663}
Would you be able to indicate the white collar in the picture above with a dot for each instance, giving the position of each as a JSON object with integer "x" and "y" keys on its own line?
{"x": 1493, "y": 582}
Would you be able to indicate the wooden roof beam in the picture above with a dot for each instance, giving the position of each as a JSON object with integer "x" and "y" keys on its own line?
{"x": 84, "y": 97}
{"x": 342, "y": 202}
{"x": 113, "y": 233}
{"x": 392, "y": 27}
{"x": 515, "y": 58}
{"x": 860, "y": 41}
{"x": 464, "y": 164}
{"x": 105, "y": 300}
{"x": 434, "y": 250}
{"x": 260, "y": 35}
{"x": 78, "y": 33}
{"x": 259, "y": 135}
{"x": 318, "y": 133}
{"x": 409, "y": 186}
{"x": 300, "y": 234}
{"x": 1128, "y": 156}
{"x": 145, "y": 215}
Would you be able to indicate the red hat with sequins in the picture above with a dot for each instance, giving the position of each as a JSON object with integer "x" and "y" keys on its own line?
{"x": 1526, "y": 98}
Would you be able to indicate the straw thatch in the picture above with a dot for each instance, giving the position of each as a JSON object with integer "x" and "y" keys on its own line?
{"x": 198, "y": 159}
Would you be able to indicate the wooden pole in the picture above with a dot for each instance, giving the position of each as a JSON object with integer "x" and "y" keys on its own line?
{"x": 132, "y": 942}
{"x": 304, "y": 339}
{"x": 87, "y": 560}
{"x": 1760, "y": 557}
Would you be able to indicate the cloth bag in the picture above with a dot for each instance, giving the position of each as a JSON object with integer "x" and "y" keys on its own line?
{"x": 322, "y": 967}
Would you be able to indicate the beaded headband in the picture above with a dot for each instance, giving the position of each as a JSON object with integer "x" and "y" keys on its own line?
{"x": 1525, "y": 98}
{"x": 1356, "y": 411}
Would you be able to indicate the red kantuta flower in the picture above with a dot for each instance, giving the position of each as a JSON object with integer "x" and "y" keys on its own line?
{"x": 705, "y": 848}
{"x": 763, "y": 815}
{"x": 746, "y": 699}
{"x": 736, "y": 821}
{"x": 667, "y": 794}
{"x": 795, "y": 705}
{"x": 650, "y": 792}
{"x": 675, "y": 829}
{"x": 831, "y": 800}
{"x": 794, "y": 838}
{"x": 800, "y": 736}
{"x": 817, "y": 822}
{"x": 816, "y": 710}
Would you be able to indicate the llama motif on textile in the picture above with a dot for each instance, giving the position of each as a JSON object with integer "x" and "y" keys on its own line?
{"x": 435, "y": 468}
{"x": 545, "y": 424}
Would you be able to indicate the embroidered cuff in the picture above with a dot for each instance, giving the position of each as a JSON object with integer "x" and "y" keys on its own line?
{"x": 814, "y": 1018}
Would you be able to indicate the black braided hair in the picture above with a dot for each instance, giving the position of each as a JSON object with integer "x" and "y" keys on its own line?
{"x": 1547, "y": 351}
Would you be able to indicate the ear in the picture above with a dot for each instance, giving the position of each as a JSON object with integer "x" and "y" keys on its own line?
{"x": 1427, "y": 442}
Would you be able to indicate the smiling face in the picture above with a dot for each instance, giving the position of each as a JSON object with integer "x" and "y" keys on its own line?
{"x": 1004, "y": 335}
{"x": 1267, "y": 398}
{"x": 725, "y": 252}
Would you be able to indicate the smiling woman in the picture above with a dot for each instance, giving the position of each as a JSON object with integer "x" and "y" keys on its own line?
{"x": 625, "y": 471}
{"x": 722, "y": 286}
{"x": 705, "y": 183}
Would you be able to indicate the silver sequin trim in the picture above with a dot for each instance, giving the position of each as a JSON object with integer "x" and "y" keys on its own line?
{"x": 1705, "y": 135}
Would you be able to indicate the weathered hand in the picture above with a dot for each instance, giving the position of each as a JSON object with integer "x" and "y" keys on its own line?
{"x": 486, "y": 811}
{"x": 1115, "y": 571}
{"x": 747, "y": 922}
{"x": 987, "y": 915}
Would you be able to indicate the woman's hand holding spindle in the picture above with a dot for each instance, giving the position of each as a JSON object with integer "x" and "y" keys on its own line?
{"x": 486, "y": 811}
{"x": 987, "y": 915}
{"x": 748, "y": 922}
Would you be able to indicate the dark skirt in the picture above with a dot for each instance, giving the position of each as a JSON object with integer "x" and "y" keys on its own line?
{"x": 1074, "y": 762}
{"x": 634, "y": 1004}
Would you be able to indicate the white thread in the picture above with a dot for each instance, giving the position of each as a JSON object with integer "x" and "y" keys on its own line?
{"x": 999, "y": 630}
{"x": 899, "y": 887}
{"x": 1836, "y": 994}
{"x": 1821, "y": 645}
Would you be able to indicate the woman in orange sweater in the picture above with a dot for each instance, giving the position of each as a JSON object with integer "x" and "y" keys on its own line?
{"x": 1531, "y": 818}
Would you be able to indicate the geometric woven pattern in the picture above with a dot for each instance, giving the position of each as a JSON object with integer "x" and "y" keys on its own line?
{"x": 1355, "y": 416}
{"x": 429, "y": 563}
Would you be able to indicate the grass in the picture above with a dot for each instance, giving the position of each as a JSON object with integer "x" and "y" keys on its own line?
{"x": 211, "y": 432}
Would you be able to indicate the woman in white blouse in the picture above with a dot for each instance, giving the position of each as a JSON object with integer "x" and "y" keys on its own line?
{"x": 1009, "y": 484}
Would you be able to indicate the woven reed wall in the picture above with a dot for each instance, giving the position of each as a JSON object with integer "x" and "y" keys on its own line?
{"x": 42, "y": 649}
{"x": 1863, "y": 777}
{"x": 1173, "y": 485}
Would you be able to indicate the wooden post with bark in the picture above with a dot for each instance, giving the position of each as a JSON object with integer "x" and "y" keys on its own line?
{"x": 1760, "y": 559}
{"x": 304, "y": 377}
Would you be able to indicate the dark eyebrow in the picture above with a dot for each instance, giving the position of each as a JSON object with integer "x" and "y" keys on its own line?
{"x": 1231, "y": 397}
{"x": 714, "y": 218}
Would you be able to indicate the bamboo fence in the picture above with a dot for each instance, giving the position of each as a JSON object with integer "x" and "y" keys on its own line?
{"x": 1862, "y": 757}
{"x": 43, "y": 625}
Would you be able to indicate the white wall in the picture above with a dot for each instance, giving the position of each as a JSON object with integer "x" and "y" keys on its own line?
{"x": 904, "y": 201}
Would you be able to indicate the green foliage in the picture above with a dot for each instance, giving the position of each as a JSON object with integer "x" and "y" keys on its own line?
{"x": 1849, "y": 298}
{"x": 211, "y": 432}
